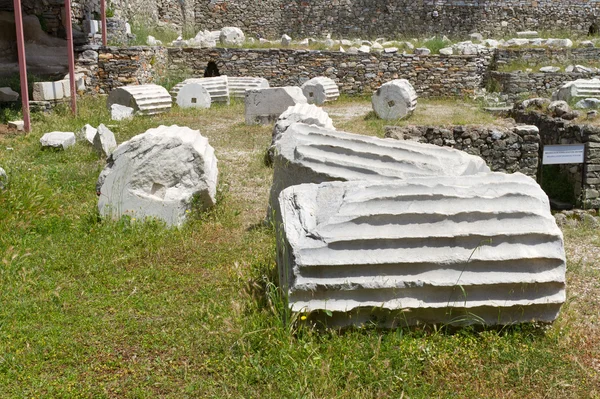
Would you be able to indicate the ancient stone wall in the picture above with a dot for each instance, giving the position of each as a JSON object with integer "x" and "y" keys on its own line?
{"x": 347, "y": 18}
{"x": 433, "y": 75}
{"x": 547, "y": 56}
{"x": 519, "y": 85}
{"x": 110, "y": 67}
{"x": 560, "y": 131}
{"x": 373, "y": 18}
{"x": 503, "y": 149}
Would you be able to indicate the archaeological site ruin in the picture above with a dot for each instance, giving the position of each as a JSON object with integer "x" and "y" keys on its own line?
{"x": 487, "y": 138}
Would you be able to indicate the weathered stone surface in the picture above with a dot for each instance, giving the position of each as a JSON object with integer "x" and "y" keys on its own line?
{"x": 8, "y": 95}
{"x": 193, "y": 95}
{"x": 148, "y": 99}
{"x": 238, "y": 85}
{"x": 286, "y": 40}
{"x": 308, "y": 114}
{"x": 587, "y": 103}
{"x": 3, "y": 179}
{"x": 581, "y": 88}
{"x": 550, "y": 69}
{"x": 152, "y": 41}
{"x": 61, "y": 140}
{"x": 320, "y": 90}
{"x": 120, "y": 112}
{"x": 79, "y": 83}
{"x": 558, "y": 108}
{"x": 394, "y": 100}
{"x": 527, "y": 33}
{"x": 422, "y": 51}
{"x": 311, "y": 154}
{"x": 48, "y": 91}
{"x": 158, "y": 174}
{"x": 231, "y": 36}
{"x": 19, "y": 125}
{"x": 425, "y": 250}
{"x": 217, "y": 87}
{"x": 504, "y": 149}
{"x": 88, "y": 132}
{"x": 566, "y": 43}
{"x": 104, "y": 141}
{"x": 263, "y": 106}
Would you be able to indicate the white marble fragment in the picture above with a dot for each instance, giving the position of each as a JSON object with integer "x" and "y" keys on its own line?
{"x": 60, "y": 140}
{"x": 263, "y": 106}
{"x": 312, "y": 154}
{"x": 232, "y": 36}
{"x": 426, "y": 250}
{"x": 159, "y": 174}
{"x": 3, "y": 179}
{"x": 120, "y": 112}
{"x": 193, "y": 95}
{"x": 320, "y": 89}
{"x": 308, "y": 114}
{"x": 217, "y": 87}
{"x": 394, "y": 100}
{"x": 88, "y": 132}
{"x": 238, "y": 85}
{"x": 104, "y": 141}
{"x": 147, "y": 99}
{"x": 578, "y": 89}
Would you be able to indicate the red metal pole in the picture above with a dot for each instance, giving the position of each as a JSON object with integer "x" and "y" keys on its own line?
{"x": 103, "y": 19}
{"x": 22, "y": 65}
{"x": 71, "y": 56}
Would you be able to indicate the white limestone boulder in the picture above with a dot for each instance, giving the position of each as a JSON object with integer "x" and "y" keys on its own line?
{"x": 88, "y": 132}
{"x": 3, "y": 179}
{"x": 238, "y": 85}
{"x": 147, "y": 99}
{"x": 104, "y": 141}
{"x": 286, "y": 41}
{"x": 564, "y": 43}
{"x": 8, "y": 95}
{"x": 308, "y": 114}
{"x": 159, "y": 174}
{"x": 152, "y": 41}
{"x": 120, "y": 112}
{"x": 263, "y": 106}
{"x": 58, "y": 140}
{"x": 232, "y": 36}
{"x": 394, "y": 100}
{"x": 312, "y": 154}
{"x": 48, "y": 91}
{"x": 320, "y": 90}
{"x": 578, "y": 89}
{"x": 193, "y": 95}
{"x": 456, "y": 250}
{"x": 17, "y": 125}
{"x": 217, "y": 87}
{"x": 588, "y": 103}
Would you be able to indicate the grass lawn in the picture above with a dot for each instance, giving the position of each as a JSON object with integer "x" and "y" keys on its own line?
{"x": 93, "y": 308}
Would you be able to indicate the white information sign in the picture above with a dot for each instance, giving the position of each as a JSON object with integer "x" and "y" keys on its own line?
{"x": 563, "y": 154}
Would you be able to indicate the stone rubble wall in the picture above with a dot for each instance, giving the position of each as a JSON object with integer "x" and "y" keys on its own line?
{"x": 547, "y": 56}
{"x": 107, "y": 68}
{"x": 503, "y": 149}
{"x": 560, "y": 131}
{"x": 518, "y": 85}
{"x": 433, "y": 75}
{"x": 393, "y": 18}
{"x": 347, "y": 18}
